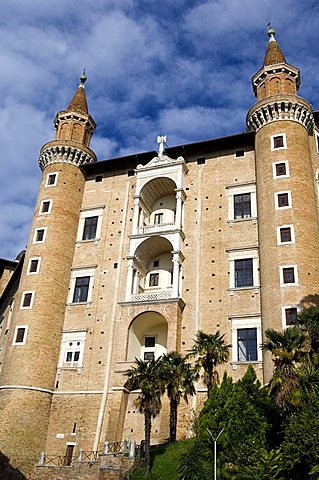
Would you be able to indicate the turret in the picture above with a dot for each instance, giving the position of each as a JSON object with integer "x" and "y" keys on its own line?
{"x": 288, "y": 232}
{"x": 29, "y": 368}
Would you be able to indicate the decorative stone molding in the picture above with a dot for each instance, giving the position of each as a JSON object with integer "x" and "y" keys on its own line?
{"x": 282, "y": 108}
{"x": 161, "y": 160}
{"x": 54, "y": 152}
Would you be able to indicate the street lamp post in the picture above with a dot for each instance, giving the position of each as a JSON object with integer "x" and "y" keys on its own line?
{"x": 215, "y": 438}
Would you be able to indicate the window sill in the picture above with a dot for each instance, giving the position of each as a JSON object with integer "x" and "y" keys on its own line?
{"x": 255, "y": 289}
{"x": 91, "y": 240}
{"x": 77, "y": 369}
{"x": 71, "y": 304}
{"x": 235, "y": 365}
{"x": 240, "y": 220}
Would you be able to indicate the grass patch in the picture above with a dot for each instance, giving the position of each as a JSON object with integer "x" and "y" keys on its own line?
{"x": 165, "y": 460}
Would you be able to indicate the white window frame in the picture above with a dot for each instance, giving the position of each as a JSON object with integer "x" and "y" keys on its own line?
{"x": 241, "y": 190}
{"x": 283, "y": 314}
{"x": 22, "y": 299}
{"x": 38, "y": 266}
{"x": 292, "y": 233}
{"x": 238, "y": 323}
{"x": 149, "y": 349}
{"x": 242, "y": 254}
{"x": 273, "y": 149}
{"x": 35, "y": 235}
{"x": 77, "y": 273}
{"x": 274, "y": 173}
{"x": 67, "y": 337}
{"x": 24, "y": 337}
{"x": 41, "y": 206}
{"x": 277, "y": 207}
{"x": 47, "y": 179}
{"x": 86, "y": 213}
{"x": 281, "y": 275}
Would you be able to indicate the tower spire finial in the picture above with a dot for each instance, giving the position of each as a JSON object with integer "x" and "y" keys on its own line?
{"x": 83, "y": 78}
{"x": 271, "y": 32}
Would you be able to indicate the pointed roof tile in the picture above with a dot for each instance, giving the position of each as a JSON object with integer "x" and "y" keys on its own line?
{"x": 274, "y": 54}
{"x": 79, "y": 102}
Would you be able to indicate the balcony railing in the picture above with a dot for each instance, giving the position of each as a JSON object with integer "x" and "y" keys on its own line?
{"x": 142, "y": 297}
{"x": 156, "y": 228}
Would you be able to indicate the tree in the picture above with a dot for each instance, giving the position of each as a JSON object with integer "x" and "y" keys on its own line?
{"x": 211, "y": 351}
{"x": 288, "y": 349}
{"x": 247, "y": 414}
{"x": 301, "y": 443}
{"x": 308, "y": 320}
{"x": 178, "y": 377}
{"x": 145, "y": 376}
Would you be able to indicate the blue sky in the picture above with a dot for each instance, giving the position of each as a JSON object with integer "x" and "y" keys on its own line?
{"x": 179, "y": 67}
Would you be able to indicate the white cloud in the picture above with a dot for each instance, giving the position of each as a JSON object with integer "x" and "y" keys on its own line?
{"x": 183, "y": 69}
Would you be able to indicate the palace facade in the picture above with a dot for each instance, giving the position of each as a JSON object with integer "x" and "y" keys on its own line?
{"x": 130, "y": 257}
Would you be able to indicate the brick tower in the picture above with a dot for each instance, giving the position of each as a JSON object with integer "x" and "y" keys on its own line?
{"x": 286, "y": 162}
{"x": 26, "y": 384}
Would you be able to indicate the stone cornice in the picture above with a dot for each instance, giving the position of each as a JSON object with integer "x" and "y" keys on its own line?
{"x": 280, "y": 107}
{"x": 65, "y": 152}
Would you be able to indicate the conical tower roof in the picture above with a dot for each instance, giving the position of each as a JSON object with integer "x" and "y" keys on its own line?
{"x": 79, "y": 103}
{"x": 274, "y": 54}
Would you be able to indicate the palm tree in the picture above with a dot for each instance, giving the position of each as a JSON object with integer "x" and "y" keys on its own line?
{"x": 178, "y": 377}
{"x": 211, "y": 351}
{"x": 288, "y": 349}
{"x": 145, "y": 377}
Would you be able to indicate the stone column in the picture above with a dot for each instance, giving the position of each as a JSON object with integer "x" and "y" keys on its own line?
{"x": 136, "y": 215}
{"x": 129, "y": 280}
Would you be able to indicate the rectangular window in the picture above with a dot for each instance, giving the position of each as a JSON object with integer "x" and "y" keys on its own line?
{"x": 247, "y": 344}
{"x": 51, "y": 180}
{"x": 278, "y": 142}
{"x": 244, "y": 273}
{"x": 90, "y": 226}
{"x": 20, "y": 335}
{"x": 158, "y": 218}
{"x": 81, "y": 289}
{"x": 290, "y": 316}
{"x": 288, "y": 274}
{"x": 242, "y": 206}
{"x": 27, "y": 300}
{"x": 149, "y": 342}
{"x": 280, "y": 169}
{"x": 149, "y": 355}
{"x": 45, "y": 206}
{"x": 73, "y": 351}
{"x": 154, "y": 280}
{"x": 239, "y": 153}
{"x": 156, "y": 263}
{"x": 283, "y": 200}
{"x": 201, "y": 160}
{"x": 285, "y": 234}
{"x": 39, "y": 235}
{"x": 33, "y": 266}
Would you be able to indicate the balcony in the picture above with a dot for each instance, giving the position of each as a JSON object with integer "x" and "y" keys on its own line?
{"x": 161, "y": 227}
{"x": 151, "y": 296}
